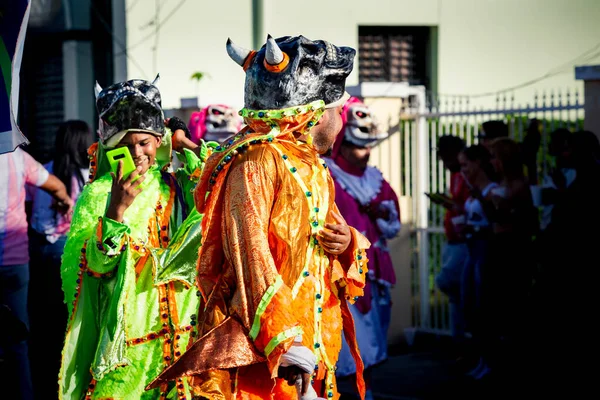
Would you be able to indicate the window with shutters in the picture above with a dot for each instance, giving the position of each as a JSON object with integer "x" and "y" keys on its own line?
{"x": 394, "y": 54}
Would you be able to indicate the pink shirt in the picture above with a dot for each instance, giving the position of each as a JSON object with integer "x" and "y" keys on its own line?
{"x": 16, "y": 170}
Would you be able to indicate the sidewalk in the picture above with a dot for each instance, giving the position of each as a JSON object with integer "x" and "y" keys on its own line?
{"x": 430, "y": 373}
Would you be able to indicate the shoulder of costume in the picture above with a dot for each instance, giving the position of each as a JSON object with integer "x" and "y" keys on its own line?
{"x": 374, "y": 170}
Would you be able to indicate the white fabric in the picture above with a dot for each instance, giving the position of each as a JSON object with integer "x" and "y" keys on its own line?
{"x": 363, "y": 188}
{"x": 548, "y": 183}
{"x": 474, "y": 210}
{"x": 303, "y": 358}
{"x": 341, "y": 101}
{"x": 391, "y": 226}
{"x": 310, "y": 393}
{"x": 117, "y": 137}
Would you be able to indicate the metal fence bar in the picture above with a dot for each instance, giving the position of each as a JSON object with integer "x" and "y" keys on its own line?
{"x": 421, "y": 125}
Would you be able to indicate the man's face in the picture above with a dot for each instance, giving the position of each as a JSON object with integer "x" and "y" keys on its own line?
{"x": 358, "y": 156}
{"x": 450, "y": 160}
{"x": 487, "y": 143}
{"x": 327, "y": 129}
{"x": 142, "y": 147}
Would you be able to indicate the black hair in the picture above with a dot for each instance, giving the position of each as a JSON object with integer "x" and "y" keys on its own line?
{"x": 585, "y": 147}
{"x": 495, "y": 128}
{"x": 450, "y": 144}
{"x": 73, "y": 139}
{"x": 479, "y": 153}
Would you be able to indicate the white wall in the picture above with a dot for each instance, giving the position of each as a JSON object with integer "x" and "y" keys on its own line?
{"x": 484, "y": 45}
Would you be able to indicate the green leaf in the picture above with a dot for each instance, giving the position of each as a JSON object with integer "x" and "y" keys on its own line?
{"x": 198, "y": 76}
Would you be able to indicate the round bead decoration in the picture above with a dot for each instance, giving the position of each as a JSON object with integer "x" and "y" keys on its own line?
{"x": 315, "y": 223}
{"x": 320, "y": 310}
{"x": 306, "y": 273}
{"x": 285, "y": 157}
{"x": 317, "y": 345}
{"x": 261, "y": 114}
{"x": 330, "y": 394}
{"x": 318, "y": 296}
{"x": 310, "y": 123}
{"x": 360, "y": 271}
{"x": 308, "y": 194}
{"x": 359, "y": 257}
{"x": 293, "y": 169}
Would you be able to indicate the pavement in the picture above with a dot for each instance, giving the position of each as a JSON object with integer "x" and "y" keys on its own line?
{"x": 431, "y": 372}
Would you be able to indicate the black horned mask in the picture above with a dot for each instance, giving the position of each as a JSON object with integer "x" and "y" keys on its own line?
{"x": 293, "y": 71}
{"x": 134, "y": 105}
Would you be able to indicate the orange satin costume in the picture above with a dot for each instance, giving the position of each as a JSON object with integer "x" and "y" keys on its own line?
{"x": 263, "y": 277}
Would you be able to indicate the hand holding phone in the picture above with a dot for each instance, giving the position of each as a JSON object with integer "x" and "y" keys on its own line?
{"x": 124, "y": 191}
{"x": 121, "y": 154}
{"x": 440, "y": 198}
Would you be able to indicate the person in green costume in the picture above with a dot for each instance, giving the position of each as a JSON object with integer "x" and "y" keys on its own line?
{"x": 129, "y": 264}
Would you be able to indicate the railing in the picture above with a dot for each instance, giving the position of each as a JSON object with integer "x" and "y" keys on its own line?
{"x": 422, "y": 122}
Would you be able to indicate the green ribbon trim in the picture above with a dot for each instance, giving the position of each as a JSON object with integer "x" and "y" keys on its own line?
{"x": 262, "y": 306}
{"x": 282, "y": 337}
{"x": 6, "y": 67}
{"x": 267, "y": 115}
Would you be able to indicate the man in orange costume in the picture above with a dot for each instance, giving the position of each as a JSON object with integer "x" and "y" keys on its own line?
{"x": 278, "y": 263}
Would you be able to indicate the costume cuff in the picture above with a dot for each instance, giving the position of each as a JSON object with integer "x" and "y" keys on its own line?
{"x": 111, "y": 237}
{"x": 353, "y": 266}
{"x": 274, "y": 327}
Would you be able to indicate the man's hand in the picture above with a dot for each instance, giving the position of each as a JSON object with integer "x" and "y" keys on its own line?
{"x": 54, "y": 187}
{"x": 123, "y": 192}
{"x": 292, "y": 373}
{"x": 180, "y": 137}
{"x": 337, "y": 238}
{"x": 64, "y": 206}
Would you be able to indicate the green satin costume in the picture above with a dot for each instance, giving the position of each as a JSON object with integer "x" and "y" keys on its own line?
{"x": 130, "y": 287}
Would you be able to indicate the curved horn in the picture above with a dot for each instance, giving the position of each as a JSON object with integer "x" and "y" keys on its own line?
{"x": 97, "y": 89}
{"x": 237, "y": 53}
{"x": 273, "y": 53}
{"x": 156, "y": 80}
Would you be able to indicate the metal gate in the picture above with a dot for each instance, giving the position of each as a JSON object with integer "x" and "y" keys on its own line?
{"x": 421, "y": 124}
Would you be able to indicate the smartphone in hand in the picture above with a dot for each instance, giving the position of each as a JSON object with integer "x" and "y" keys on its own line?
{"x": 121, "y": 154}
{"x": 441, "y": 199}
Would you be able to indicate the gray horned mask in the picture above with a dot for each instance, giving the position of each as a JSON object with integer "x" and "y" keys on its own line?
{"x": 133, "y": 105}
{"x": 293, "y": 71}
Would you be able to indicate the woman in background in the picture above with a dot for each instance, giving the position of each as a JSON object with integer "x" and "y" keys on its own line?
{"x": 49, "y": 228}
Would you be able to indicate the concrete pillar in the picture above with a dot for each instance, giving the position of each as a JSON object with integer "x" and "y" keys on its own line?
{"x": 119, "y": 28}
{"x": 590, "y": 74}
{"x": 78, "y": 66}
{"x": 78, "y": 81}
